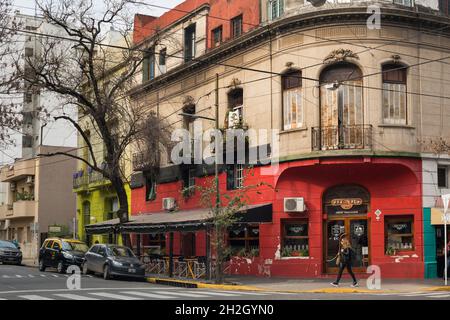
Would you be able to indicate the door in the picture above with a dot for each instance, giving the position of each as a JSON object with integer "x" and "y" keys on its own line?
{"x": 356, "y": 230}
{"x": 188, "y": 245}
{"x": 55, "y": 252}
{"x": 46, "y": 252}
{"x": 341, "y": 110}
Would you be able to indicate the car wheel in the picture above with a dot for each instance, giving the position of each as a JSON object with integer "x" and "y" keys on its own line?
{"x": 85, "y": 269}
{"x": 60, "y": 267}
{"x": 41, "y": 266}
{"x": 106, "y": 272}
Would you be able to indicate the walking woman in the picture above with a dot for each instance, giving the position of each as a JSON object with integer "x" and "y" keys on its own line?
{"x": 345, "y": 259}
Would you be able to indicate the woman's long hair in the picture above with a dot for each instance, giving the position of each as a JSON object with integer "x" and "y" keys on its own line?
{"x": 345, "y": 243}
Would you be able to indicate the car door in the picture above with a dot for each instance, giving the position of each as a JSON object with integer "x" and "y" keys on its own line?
{"x": 55, "y": 252}
{"x": 90, "y": 258}
{"x": 46, "y": 252}
{"x": 101, "y": 258}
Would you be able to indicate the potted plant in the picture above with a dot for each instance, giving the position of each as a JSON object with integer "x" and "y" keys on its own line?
{"x": 391, "y": 251}
{"x": 304, "y": 253}
{"x": 295, "y": 253}
{"x": 187, "y": 192}
{"x": 286, "y": 252}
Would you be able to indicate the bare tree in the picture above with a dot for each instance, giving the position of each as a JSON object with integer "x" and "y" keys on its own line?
{"x": 10, "y": 116}
{"x": 87, "y": 70}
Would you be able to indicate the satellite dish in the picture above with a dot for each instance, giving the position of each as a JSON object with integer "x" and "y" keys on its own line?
{"x": 317, "y": 3}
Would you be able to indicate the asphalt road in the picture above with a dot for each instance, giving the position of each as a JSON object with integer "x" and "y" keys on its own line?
{"x": 25, "y": 283}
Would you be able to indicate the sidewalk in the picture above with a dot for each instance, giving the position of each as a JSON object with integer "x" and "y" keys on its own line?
{"x": 290, "y": 285}
{"x": 30, "y": 263}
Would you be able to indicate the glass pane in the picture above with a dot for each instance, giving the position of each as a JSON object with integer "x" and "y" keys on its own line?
{"x": 334, "y": 230}
{"x": 296, "y": 229}
{"x": 359, "y": 242}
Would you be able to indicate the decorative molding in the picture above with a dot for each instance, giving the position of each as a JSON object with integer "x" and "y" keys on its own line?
{"x": 340, "y": 55}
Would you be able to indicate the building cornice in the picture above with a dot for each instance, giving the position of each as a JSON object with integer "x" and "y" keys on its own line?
{"x": 315, "y": 19}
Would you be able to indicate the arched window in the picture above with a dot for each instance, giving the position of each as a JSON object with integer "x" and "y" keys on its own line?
{"x": 394, "y": 94}
{"x": 292, "y": 100}
{"x": 86, "y": 213}
{"x": 341, "y": 107}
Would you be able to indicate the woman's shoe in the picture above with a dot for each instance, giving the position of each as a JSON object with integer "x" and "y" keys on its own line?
{"x": 355, "y": 285}
{"x": 334, "y": 284}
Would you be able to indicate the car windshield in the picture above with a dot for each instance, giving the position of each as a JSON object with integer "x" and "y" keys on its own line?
{"x": 120, "y": 252}
{"x": 7, "y": 244}
{"x": 74, "y": 246}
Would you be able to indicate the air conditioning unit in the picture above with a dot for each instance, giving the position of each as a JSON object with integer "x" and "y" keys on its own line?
{"x": 294, "y": 205}
{"x": 12, "y": 186}
{"x": 30, "y": 180}
{"x": 169, "y": 204}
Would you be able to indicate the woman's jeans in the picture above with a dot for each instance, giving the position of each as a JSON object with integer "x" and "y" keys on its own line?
{"x": 342, "y": 267}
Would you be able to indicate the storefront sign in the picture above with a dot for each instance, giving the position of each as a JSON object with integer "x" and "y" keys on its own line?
{"x": 346, "y": 204}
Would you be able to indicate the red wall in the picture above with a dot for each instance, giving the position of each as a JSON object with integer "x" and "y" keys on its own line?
{"x": 394, "y": 185}
{"x": 221, "y": 12}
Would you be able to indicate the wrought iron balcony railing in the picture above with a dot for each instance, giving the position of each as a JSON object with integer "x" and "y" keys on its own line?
{"x": 83, "y": 179}
{"x": 342, "y": 137}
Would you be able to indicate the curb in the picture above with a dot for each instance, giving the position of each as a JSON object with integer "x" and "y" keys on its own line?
{"x": 438, "y": 288}
{"x": 202, "y": 285}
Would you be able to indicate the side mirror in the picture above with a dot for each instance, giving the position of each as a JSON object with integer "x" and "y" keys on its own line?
{"x": 18, "y": 248}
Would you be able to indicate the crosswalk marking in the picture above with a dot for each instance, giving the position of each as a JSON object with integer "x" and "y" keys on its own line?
{"x": 147, "y": 295}
{"x": 181, "y": 294}
{"x": 19, "y": 276}
{"x": 35, "y": 297}
{"x": 214, "y": 293}
{"x": 74, "y": 296}
{"x": 422, "y": 294}
{"x": 114, "y": 296}
{"x": 441, "y": 296}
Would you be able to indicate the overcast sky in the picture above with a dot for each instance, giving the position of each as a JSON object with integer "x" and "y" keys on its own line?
{"x": 27, "y": 6}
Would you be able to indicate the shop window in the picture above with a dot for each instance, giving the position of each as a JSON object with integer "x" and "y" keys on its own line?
{"x": 150, "y": 188}
{"x": 236, "y": 27}
{"x": 275, "y": 9}
{"x": 442, "y": 174}
{"x": 244, "y": 241}
{"x": 394, "y": 94}
{"x": 399, "y": 234}
{"x": 295, "y": 241}
{"x": 148, "y": 66}
{"x": 235, "y": 176}
{"x": 292, "y": 100}
{"x": 189, "y": 43}
{"x": 216, "y": 37}
{"x": 154, "y": 243}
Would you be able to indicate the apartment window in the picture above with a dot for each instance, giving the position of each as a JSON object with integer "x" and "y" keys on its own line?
{"x": 444, "y": 6}
{"x": 244, "y": 241}
{"x": 275, "y": 9}
{"x": 150, "y": 188}
{"x": 148, "y": 66}
{"x": 399, "y": 234}
{"x": 292, "y": 100}
{"x": 163, "y": 61}
{"x": 295, "y": 238}
{"x": 235, "y": 108}
{"x": 235, "y": 176}
{"x": 216, "y": 37}
{"x": 28, "y": 98}
{"x": 189, "y": 179}
{"x": 394, "y": 94}
{"x": 189, "y": 43}
{"x": 236, "y": 27}
{"x": 442, "y": 173}
{"x": 86, "y": 213}
{"x": 29, "y": 52}
{"x": 27, "y": 141}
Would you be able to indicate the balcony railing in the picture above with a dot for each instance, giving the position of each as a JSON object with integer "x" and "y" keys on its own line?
{"x": 142, "y": 161}
{"x": 342, "y": 137}
{"x": 83, "y": 179}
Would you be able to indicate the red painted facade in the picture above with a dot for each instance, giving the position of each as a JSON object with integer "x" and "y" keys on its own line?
{"x": 394, "y": 185}
{"x": 220, "y": 14}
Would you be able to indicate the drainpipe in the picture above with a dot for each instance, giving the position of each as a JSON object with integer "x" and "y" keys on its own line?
{"x": 42, "y": 133}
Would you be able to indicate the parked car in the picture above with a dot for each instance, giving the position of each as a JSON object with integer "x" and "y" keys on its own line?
{"x": 113, "y": 260}
{"x": 9, "y": 253}
{"x": 61, "y": 253}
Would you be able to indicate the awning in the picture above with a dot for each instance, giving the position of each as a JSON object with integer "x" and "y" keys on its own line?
{"x": 193, "y": 220}
{"x": 437, "y": 216}
{"x": 105, "y": 227}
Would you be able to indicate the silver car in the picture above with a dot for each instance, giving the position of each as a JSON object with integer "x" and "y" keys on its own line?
{"x": 113, "y": 260}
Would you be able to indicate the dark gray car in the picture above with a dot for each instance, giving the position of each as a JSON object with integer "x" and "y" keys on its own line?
{"x": 113, "y": 260}
{"x": 9, "y": 253}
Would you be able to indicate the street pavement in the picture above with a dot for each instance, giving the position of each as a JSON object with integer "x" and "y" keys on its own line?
{"x": 27, "y": 283}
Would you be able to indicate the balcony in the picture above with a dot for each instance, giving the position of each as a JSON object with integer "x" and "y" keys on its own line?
{"x": 23, "y": 209}
{"x": 342, "y": 138}
{"x": 142, "y": 161}
{"x": 18, "y": 171}
{"x": 83, "y": 180}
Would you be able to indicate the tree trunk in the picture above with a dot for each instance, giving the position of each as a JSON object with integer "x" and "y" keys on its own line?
{"x": 122, "y": 213}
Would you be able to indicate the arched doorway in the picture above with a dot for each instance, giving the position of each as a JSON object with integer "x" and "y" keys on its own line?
{"x": 346, "y": 208}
